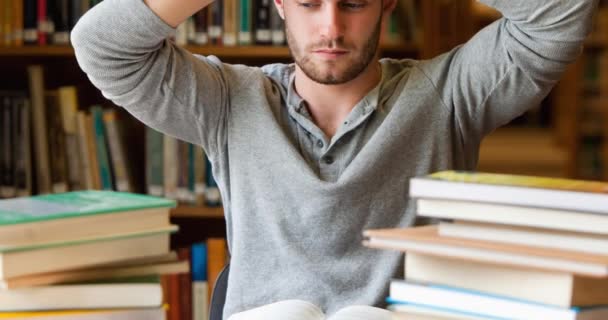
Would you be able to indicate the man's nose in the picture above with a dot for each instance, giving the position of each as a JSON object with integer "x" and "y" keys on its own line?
{"x": 332, "y": 22}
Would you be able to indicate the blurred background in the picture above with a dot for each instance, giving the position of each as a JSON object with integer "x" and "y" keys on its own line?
{"x": 58, "y": 132}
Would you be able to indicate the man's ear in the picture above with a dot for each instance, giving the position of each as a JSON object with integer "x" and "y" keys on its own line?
{"x": 279, "y": 5}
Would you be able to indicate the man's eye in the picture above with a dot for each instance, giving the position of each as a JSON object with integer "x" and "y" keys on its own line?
{"x": 308, "y": 4}
{"x": 352, "y": 5}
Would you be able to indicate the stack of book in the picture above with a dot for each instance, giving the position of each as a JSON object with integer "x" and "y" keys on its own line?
{"x": 85, "y": 255}
{"x": 506, "y": 247}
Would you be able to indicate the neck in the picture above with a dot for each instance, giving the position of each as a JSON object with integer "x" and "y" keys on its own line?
{"x": 329, "y": 105}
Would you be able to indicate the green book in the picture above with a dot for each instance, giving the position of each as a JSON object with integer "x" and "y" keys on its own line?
{"x": 103, "y": 156}
{"x": 75, "y": 204}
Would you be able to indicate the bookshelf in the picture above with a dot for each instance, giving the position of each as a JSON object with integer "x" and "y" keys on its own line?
{"x": 575, "y": 111}
{"x": 240, "y": 52}
{"x": 586, "y": 90}
{"x": 200, "y": 223}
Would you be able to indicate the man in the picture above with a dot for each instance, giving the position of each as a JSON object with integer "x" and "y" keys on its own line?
{"x": 310, "y": 154}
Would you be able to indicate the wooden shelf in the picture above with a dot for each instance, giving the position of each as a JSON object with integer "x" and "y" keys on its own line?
{"x": 596, "y": 43}
{"x": 244, "y": 52}
{"x": 197, "y": 212}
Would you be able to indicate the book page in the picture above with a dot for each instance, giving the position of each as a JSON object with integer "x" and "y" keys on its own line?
{"x": 361, "y": 313}
{"x": 282, "y": 310}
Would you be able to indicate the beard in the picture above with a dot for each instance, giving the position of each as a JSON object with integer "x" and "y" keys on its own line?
{"x": 354, "y": 68}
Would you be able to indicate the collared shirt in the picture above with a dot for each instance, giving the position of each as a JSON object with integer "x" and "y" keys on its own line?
{"x": 296, "y": 204}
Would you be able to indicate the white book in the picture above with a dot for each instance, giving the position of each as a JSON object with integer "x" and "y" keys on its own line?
{"x": 200, "y": 298}
{"x": 427, "y": 240}
{"x": 535, "y": 237}
{"x": 304, "y": 310}
{"x": 513, "y": 190}
{"x": 554, "y": 288}
{"x": 483, "y": 305}
{"x": 84, "y": 252}
{"x": 415, "y": 312}
{"x": 82, "y": 296}
{"x": 513, "y": 215}
{"x": 110, "y": 314}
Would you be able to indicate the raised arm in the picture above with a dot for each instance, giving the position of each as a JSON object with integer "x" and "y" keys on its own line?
{"x": 175, "y": 12}
{"x": 122, "y": 46}
{"x": 511, "y": 65}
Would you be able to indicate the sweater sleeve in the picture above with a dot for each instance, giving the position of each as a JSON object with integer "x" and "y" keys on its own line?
{"x": 511, "y": 65}
{"x": 123, "y": 47}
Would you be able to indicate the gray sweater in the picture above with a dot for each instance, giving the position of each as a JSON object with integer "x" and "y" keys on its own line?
{"x": 296, "y": 202}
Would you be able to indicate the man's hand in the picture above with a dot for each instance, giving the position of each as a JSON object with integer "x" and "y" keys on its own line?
{"x": 174, "y": 12}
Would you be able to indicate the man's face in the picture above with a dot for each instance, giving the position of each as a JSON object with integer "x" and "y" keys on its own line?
{"x": 333, "y": 41}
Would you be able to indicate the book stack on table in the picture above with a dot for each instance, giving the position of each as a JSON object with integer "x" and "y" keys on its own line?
{"x": 506, "y": 247}
{"x": 85, "y": 255}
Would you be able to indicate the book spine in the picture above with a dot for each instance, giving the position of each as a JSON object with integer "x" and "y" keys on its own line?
{"x": 215, "y": 19}
{"x": 154, "y": 162}
{"x": 230, "y": 22}
{"x": 182, "y": 171}
{"x": 199, "y": 175}
{"x": 61, "y": 20}
{"x": 216, "y": 260}
{"x": 68, "y": 103}
{"x": 6, "y": 142}
{"x": 263, "y": 33}
{"x": 56, "y": 141}
{"x": 170, "y": 166}
{"x": 245, "y": 14}
{"x": 76, "y": 12}
{"x": 93, "y": 158}
{"x": 41, "y": 152}
{"x": 201, "y": 20}
{"x": 18, "y": 23}
{"x": 105, "y": 170}
{"x": 23, "y": 170}
{"x": 6, "y": 23}
{"x": 200, "y": 288}
{"x": 117, "y": 152}
{"x": 185, "y": 285}
{"x": 191, "y": 174}
{"x": 276, "y": 27}
{"x": 30, "y": 21}
{"x": 44, "y": 24}
{"x": 83, "y": 146}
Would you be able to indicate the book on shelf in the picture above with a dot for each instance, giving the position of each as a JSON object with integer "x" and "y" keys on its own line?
{"x": 200, "y": 286}
{"x": 129, "y": 293}
{"x": 557, "y": 219}
{"x": 153, "y": 265}
{"x": 304, "y": 310}
{"x": 478, "y": 304}
{"x": 535, "y": 237}
{"x": 68, "y": 108}
{"x": 39, "y": 128}
{"x": 551, "y": 288}
{"x": 56, "y": 140}
{"x": 514, "y": 190}
{"x": 427, "y": 240}
{"x": 217, "y": 253}
{"x": 157, "y": 313}
{"x": 506, "y": 247}
{"x": 85, "y": 228}
{"x": 79, "y": 214}
{"x": 25, "y": 260}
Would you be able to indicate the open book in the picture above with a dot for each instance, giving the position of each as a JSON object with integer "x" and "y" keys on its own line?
{"x": 303, "y": 310}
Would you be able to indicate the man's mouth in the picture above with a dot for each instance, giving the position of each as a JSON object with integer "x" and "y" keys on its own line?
{"x": 330, "y": 53}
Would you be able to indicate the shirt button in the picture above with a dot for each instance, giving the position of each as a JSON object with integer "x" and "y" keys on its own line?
{"x": 320, "y": 144}
{"x": 328, "y": 159}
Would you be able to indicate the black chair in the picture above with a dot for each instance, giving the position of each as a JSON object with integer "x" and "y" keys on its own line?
{"x": 218, "y": 297}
